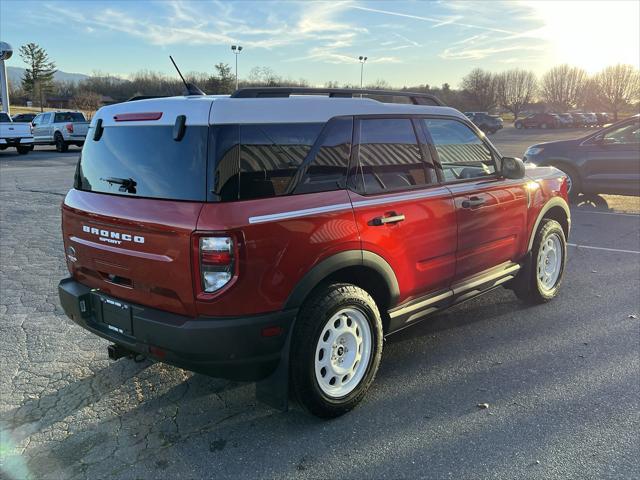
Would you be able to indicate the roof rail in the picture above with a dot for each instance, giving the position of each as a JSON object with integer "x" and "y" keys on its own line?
{"x": 262, "y": 92}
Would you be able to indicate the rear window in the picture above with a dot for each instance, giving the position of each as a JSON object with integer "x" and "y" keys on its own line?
{"x": 69, "y": 117}
{"x": 4, "y": 118}
{"x": 258, "y": 160}
{"x": 143, "y": 161}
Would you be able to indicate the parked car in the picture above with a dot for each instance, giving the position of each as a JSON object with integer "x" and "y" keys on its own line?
{"x": 15, "y": 135}
{"x": 604, "y": 162}
{"x": 538, "y": 120}
{"x": 591, "y": 120}
{"x": 485, "y": 122}
{"x": 60, "y": 129}
{"x": 579, "y": 120}
{"x": 252, "y": 237}
{"x": 23, "y": 117}
{"x": 566, "y": 120}
{"x": 603, "y": 119}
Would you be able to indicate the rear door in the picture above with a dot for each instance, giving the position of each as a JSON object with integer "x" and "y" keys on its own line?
{"x": 138, "y": 192}
{"x": 401, "y": 212}
{"x": 491, "y": 211}
{"x": 613, "y": 163}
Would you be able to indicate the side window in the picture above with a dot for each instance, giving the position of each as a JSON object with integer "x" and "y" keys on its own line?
{"x": 389, "y": 157}
{"x": 259, "y": 160}
{"x": 327, "y": 169}
{"x": 37, "y": 119}
{"x": 628, "y": 134}
{"x": 462, "y": 153}
{"x": 46, "y": 118}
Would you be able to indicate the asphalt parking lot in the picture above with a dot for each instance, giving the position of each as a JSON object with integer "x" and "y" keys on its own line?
{"x": 562, "y": 380}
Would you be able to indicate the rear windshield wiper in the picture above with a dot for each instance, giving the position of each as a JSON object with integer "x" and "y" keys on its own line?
{"x": 126, "y": 184}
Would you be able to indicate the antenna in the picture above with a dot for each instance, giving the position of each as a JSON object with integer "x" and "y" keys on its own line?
{"x": 191, "y": 89}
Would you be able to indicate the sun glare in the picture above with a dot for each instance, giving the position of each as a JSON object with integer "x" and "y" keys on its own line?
{"x": 591, "y": 34}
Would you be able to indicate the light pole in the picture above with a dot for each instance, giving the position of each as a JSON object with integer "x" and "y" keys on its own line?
{"x": 236, "y": 49}
{"x": 361, "y": 59}
{"x": 5, "y": 54}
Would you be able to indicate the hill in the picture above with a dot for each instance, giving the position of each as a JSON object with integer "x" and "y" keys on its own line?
{"x": 15, "y": 75}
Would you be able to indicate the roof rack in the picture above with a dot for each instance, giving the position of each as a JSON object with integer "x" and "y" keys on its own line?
{"x": 258, "y": 92}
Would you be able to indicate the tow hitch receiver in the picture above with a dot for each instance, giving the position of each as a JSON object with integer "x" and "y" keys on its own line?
{"x": 118, "y": 351}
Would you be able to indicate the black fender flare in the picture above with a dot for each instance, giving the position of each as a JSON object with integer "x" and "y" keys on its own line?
{"x": 554, "y": 202}
{"x": 338, "y": 261}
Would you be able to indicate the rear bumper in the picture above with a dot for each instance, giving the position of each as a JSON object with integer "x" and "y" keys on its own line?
{"x": 232, "y": 348}
{"x": 15, "y": 142}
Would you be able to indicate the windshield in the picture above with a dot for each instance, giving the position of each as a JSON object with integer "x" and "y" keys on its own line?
{"x": 145, "y": 162}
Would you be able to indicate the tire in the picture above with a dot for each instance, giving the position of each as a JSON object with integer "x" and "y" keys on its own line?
{"x": 23, "y": 150}
{"x": 61, "y": 145}
{"x": 543, "y": 126}
{"x": 338, "y": 323}
{"x": 518, "y": 125}
{"x": 543, "y": 276}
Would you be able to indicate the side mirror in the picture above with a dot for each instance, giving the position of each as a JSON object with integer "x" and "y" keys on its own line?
{"x": 512, "y": 168}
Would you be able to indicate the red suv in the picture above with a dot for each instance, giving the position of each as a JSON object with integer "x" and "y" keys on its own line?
{"x": 276, "y": 235}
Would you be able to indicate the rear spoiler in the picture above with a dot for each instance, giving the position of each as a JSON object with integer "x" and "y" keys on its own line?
{"x": 145, "y": 97}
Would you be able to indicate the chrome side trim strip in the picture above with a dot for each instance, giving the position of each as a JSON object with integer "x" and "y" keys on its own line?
{"x": 299, "y": 213}
{"x": 401, "y": 198}
{"x": 486, "y": 279}
{"x": 424, "y": 303}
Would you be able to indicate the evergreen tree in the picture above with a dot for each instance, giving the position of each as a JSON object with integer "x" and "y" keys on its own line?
{"x": 38, "y": 77}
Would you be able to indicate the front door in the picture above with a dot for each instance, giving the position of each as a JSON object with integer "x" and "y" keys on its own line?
{"x": 402, "y": 213}
{"x": 613, "y": 162}
{"x": 491, "y": 211}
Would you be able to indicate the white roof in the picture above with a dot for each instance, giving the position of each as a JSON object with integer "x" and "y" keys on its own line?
{"x": 222, "y": 109}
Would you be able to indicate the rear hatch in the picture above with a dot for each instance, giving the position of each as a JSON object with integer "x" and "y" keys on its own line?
{"x": 138, "y": 192}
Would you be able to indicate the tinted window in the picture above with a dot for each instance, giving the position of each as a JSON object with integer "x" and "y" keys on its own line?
{"x": 255, "y": 161}
{"x": 389, "y": 157}
{"x": 69, "y": 117}
{"x": 461, "y": 152}
{"x": 626, "y": 134}
{"x": 327, "y": 167}
{"x": 4, "y": 118}
{"x": 159, "y": 166}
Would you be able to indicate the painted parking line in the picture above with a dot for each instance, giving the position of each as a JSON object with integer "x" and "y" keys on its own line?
{"x": 593, "y": 212}
{"x": 589, "y": 247}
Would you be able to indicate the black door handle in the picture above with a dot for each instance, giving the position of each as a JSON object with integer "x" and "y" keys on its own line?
{"x": 473, "y": 202}
{"x": 387, "y": 220}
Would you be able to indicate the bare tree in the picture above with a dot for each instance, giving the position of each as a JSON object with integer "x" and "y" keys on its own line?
{"x": 562, "y": 87}
{"x": 479, "y": 89}
{"x": 87, "y": 101}
{"x": 515, "y": 89}
{"x": 618, "y": 85}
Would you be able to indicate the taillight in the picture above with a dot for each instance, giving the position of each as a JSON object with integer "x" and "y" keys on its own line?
{"x": 216, "y": 261}
{"x": 31, "y": 125}
{"x": 69, "y": 127}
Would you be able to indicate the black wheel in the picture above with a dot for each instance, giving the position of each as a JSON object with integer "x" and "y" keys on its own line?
{"x": 518, "y": 125}
{"x": 574, "y": 187}
{"x": 541, "y": 279}
{"x": 23, "y": 150}
{"x": 61, "y": 145}
{"x": 335, "y": 350}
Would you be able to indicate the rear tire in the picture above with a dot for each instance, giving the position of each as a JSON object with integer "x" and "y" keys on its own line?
{"x": 542, "y": 278}
{"x": 336, "y": 349}
{"x": 61, "y": 145}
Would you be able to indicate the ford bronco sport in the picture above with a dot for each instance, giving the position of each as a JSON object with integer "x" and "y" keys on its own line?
{"x": 278, "y": 235}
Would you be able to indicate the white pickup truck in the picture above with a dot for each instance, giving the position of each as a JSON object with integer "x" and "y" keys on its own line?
{"x": 16, "y": 135}
{"x": 60, "y": 129}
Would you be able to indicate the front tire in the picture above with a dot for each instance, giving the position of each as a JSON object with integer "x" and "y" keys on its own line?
{"x": 336, "y": 349}
{"x": 23, "y": 150}
{"x": 542, "y": 278}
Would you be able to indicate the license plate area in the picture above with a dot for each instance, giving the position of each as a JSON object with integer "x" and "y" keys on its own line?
{"x": 116, "y": 315}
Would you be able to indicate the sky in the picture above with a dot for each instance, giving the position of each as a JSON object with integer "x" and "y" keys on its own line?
{"x": 406, "y": 42}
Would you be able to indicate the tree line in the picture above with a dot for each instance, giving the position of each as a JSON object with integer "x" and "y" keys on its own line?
{"x": 561, "y": 88}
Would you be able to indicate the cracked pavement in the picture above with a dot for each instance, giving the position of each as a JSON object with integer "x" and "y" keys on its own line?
{"x": 562, "y": 380}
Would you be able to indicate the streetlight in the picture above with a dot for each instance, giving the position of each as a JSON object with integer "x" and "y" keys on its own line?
{"x": 236, "y": 49}
{"x": 361, "y": 59}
